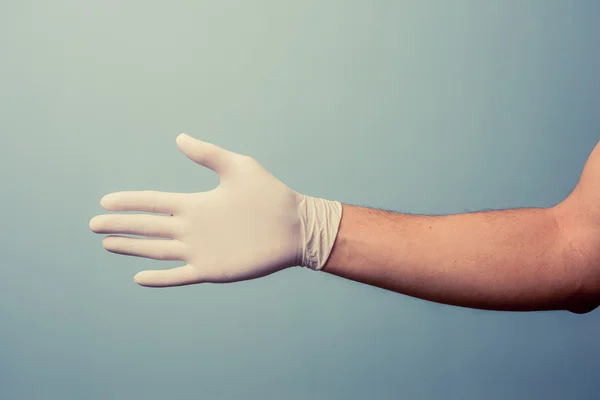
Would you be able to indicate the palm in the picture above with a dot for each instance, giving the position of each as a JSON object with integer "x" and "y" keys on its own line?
{"x": 242, "y": 229}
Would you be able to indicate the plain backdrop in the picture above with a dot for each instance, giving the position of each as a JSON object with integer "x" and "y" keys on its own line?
{"x": 425, "y": 107}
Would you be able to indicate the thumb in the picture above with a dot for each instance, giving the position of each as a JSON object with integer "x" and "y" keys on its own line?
{"x": 206, "y": 154}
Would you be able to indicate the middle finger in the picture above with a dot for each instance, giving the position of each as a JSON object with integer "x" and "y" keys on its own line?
{"x": 135, "y": 224}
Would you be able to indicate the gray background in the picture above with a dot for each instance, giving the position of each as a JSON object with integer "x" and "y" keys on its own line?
{"x": 429, "y": 107}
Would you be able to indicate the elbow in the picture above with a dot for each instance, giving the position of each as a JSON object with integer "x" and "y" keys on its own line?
{"x": 582, "y": 259}
{"x": 582, "y": 308}
{"x": 585, "y": 296}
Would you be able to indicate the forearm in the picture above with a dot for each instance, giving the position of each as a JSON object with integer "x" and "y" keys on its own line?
{"x": 513, "y": 260}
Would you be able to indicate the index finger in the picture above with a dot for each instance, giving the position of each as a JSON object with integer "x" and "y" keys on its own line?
{"x": 147, "y": 200}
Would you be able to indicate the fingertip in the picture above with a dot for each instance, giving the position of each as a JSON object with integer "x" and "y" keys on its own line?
{"x": 91, "y": 225}
{"x": 108, "y": 240}
{"x": 105, "y": 202}
{"x": 180, "y": 137}
{"x": 147, "y": 279}
{"x": 139, "y": 278}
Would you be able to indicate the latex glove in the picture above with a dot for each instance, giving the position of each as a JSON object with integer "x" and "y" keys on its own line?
{"x": 250, "y": 226}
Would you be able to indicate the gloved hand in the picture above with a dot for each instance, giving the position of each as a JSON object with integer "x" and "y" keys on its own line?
{"x": 250, "y": 226}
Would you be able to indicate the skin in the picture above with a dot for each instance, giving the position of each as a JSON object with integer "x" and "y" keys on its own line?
{"x": 529, "y": 259}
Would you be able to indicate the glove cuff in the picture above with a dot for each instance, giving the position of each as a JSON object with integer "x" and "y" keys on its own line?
{"x": 320, "y": 221}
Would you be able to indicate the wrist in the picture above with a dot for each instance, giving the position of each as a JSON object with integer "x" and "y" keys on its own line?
{"x": 320, "y": 221}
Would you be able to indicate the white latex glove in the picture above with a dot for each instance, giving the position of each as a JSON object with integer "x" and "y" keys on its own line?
{"x": 250, "y": 226}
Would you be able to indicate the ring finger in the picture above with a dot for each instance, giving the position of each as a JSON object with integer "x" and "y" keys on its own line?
{"x": 167, "y": 250}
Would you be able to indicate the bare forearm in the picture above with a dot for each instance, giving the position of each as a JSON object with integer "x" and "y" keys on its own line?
{"x": 514, "y": 260}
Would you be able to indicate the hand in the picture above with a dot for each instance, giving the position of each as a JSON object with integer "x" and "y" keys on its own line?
{"x": 250, "y": 226}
